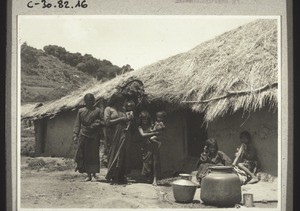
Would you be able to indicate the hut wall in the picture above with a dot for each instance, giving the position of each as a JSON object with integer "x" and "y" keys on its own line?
{"x": 59, "y": 132}
{"x": 262, "y": 126}
{"x": 58, "y": 141}
{"x": 173, "y": 148}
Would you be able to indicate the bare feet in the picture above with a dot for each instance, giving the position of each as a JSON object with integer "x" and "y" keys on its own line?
{"x": 154, "y": 184}
{"x": 88, "y": 179}
{"x": 154, "y": 181}
{"x": 94, "y": 179}
{"x": 253, "y": 180}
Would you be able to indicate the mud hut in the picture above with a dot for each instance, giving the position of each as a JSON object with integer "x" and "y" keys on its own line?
{"x": 217, "y": 89}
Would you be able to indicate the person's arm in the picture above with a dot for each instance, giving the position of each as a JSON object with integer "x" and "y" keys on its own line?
{"x": 203, "y": 157}
{"x": 249, "y": 153}
{"x": 95, "y": 124}
{"x": 98, "y": 122}
{"x": 77, "y": 127}
{"x": 116, "y": 121}
{"x": 148, "y": 134}
{"x": 226, "y": 160}
{"x": 101, "y": 117}
{"x": 107, "y": 118}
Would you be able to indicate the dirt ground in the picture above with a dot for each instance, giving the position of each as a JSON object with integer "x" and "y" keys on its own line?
{"x": 52, "y": 183}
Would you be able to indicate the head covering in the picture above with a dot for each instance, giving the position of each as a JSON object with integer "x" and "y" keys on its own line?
{"x": 133, "y": 89}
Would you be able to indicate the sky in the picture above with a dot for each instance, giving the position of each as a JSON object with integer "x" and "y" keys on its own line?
{"x": 134, "y": 40}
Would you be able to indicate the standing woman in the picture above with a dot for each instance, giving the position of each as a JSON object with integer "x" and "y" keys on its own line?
{"x": 115, "y": 118}
{"x": 110, "y": 113}
{"x": 86, "y": 131}
{"x": 150, "y": 150}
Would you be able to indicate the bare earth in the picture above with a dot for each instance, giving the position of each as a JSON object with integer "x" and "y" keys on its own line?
{"x": 67, "y": 189}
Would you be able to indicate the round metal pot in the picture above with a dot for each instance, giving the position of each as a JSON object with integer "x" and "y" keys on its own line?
{"x": 184, "y": 189}
{"x": 221, "y": 187}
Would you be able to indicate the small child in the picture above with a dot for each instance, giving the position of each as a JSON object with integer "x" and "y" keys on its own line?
{"x": 158, "y": 126}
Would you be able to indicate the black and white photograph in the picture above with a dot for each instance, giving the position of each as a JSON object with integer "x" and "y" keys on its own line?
{"x": 144, "y": 112}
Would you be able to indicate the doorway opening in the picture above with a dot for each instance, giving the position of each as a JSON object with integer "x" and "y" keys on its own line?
{"x": 196, "y": 134}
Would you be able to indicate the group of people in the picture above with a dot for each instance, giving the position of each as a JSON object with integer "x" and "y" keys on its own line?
{"x": 119, "y": 121}
{"x": 244, "y": 165}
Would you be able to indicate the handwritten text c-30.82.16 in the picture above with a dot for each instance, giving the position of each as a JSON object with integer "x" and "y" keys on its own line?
{"x": 61, "y": 4}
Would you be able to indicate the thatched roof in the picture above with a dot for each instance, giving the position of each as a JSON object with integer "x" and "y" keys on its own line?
{"x": 239, "y": 68}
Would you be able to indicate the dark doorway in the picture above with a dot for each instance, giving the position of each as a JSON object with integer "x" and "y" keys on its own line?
{"x": 196, "y": 134}
{"x": 40, "y": 130}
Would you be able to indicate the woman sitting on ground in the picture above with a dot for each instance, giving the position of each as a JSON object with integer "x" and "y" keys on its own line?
{"x": 210, "y": 157}
{"x": 246, "y": 158}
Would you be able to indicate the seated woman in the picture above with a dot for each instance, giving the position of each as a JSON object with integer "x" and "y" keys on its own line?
{"x": 246, "y": 158}
{"x": 210, "y": 157}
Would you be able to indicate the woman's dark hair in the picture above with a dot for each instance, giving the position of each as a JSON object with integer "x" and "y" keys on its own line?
{"x": 89, "y": 97}
{"x": 212, "y": 142}
{"x": 245, "y": 134}
{"x": 144, "y": 114}
{"x": 116, "y": 98}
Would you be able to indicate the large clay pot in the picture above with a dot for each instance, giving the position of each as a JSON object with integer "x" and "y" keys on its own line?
{"x": 221, "y": 187}
{"x": 184, "y": 189}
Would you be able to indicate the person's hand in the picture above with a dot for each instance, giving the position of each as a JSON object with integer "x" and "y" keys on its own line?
{"x": 153, "y": 138}
{"x": 131, "y": 116}
{"x": 158, "y": 144}
{"x": 205, "y": 150}
{"x": 75, "y": 139}
{"x": 95, "y": 124}
{"x": 245, "y": 146}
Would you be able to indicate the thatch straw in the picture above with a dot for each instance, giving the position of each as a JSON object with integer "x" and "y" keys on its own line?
{"x": 237, "y": 61}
